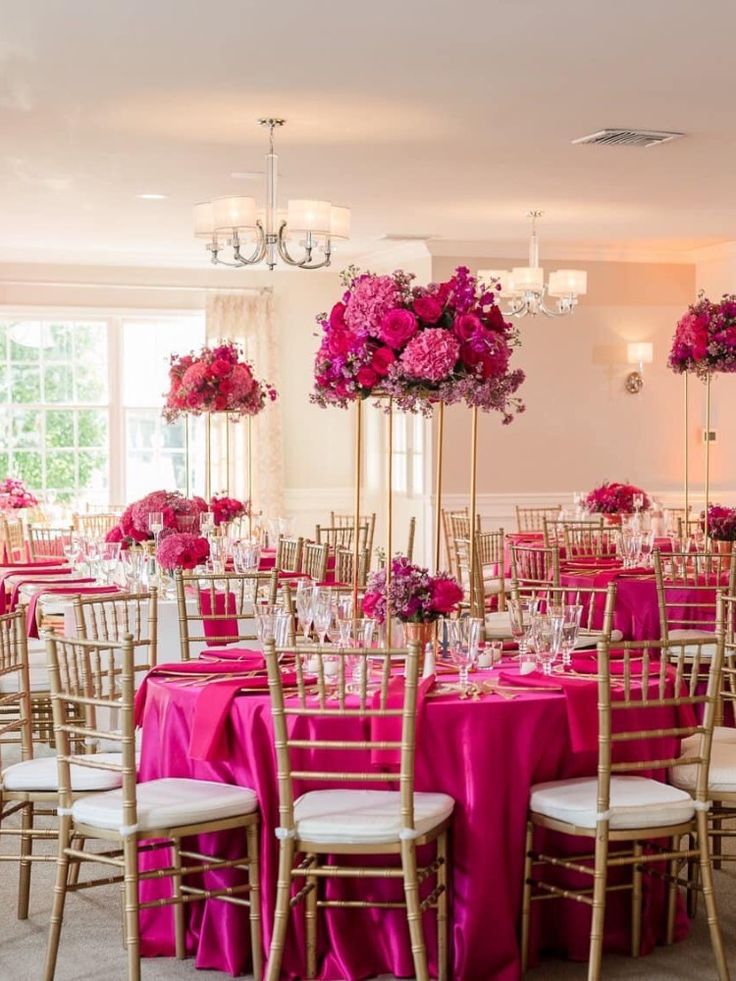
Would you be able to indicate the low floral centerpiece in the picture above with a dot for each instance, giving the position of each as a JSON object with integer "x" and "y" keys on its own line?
{"x": 182, "y": 550}
{"x": 215, "y": 379}
{"x": 721, "y": 523}
{"x": 179, "y": 514}
{"x": 226, "y": 509}
{"x": 705, "y": 338}
{"x": 615, "y": 499}
{"x": 445, "y": 342}
{"x": 415, "y": 596}
{"x": 14, "y": 495}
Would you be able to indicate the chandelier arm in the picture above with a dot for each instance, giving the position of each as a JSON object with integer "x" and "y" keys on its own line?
{"x": 306, "y": 262}
{"x": 258, "y": 252}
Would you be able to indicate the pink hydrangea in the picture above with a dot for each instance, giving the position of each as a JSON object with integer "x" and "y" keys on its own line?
{"x": 370, "y": 300}
{"x": 181, "y": 550}
{"x": 431, "y": 355}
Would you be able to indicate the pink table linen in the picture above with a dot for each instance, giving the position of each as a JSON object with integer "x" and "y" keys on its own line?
{"x": 72, "y": 589}
{"x": 486, "y": 754}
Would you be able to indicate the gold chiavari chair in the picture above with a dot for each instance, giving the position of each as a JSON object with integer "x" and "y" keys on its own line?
{"x": 314, "y": 561}
{"x": 91, "y": 678}
{"x": 534, "y": 568}
{"x": 447, "y": 537}
{"x": 29, "y": 788}
{"x": 289, "y": 554}
{"x": 210, "y": 603}
{"x": 341, "y": 536}
{"x": 554, "y": 529}
{"x": 12, "y": 540}
{"x": 104, "y": 509}
{"x": 582, "y": 540}
{"x": 345, "y": 564}
{"x": 48, "y": 543}
{"x": 533, "y": 519}
{"x": 340, "y": 821}
{"x": 410, "y": 538}
{"x": 674, "y": 515}
{"x": 95, "y": 525}
{"x": 338, "y": 520}
{"x": 686, "y": 593}
{"x": 489, "y": 580}
{"x": 111, "y": 618}
{"x": 689, "y": 527}
{"x": 633, "y": 812}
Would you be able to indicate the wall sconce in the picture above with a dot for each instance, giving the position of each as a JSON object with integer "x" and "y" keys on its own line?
{"x": 640, "y": 353}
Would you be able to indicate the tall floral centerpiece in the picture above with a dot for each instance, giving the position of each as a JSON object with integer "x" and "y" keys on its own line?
{"x": 416, "y": 347}
{"x": 704, "y": 344}
{"x": 216, "y": 380}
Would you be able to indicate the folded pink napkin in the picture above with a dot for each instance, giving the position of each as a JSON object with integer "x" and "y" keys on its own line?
{"x": 39, "y": 580}
{"x": 72, "y": 589}
{"x": 29, "y": 570}
{"x": 388, "y": 729}
{"x": 193, "y": 667}
{"x": 219, "y": 630}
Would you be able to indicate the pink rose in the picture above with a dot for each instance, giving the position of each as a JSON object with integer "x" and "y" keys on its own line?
{"x": 337, "y": 315}
{"x": 382, "y": 360}
{"x": 397, "y": 327}
{"x": 367, "y": 377}
{"x": 446, "y": 594}
{"x": 219, "y": 368}
{"x": 428, "y": 309}
{"x": 340, "y": 342}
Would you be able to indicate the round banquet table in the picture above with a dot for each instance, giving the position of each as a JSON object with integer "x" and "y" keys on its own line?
{"x": 486, "y": 754}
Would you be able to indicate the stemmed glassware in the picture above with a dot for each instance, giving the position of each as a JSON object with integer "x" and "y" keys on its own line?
{"x": 133, "y": 560}
{"x": 304, "y": 600}
{"x": 156, "y": 524}
{"x": 571, "y": 616}
{"x": 463, "y": 636}
{"x": 547, "y": 632}
{"x": 322, "y": 614}
{"x": 206, "y": 523}
{"x": 109, "y": 558}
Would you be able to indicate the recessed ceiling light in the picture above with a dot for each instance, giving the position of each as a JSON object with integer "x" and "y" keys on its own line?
{"x": 152, "y": 197}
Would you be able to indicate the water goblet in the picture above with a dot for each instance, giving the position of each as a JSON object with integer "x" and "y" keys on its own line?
{"x": 459, "y": 651}
{"x": 322, "y": 617}
{"x": 206, "y": 523}
{"x": 547, "y": 630}
{"x": 155, "y": 524}
{"x": 109, "y": 558}
{"x": 304, "y": 600}
{"x": 571, "y": 617}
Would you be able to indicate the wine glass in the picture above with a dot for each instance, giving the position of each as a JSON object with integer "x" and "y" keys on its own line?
{"x": 109, "y": 558}
{"x": 459, "y": 650}
{"x": 304, "y": 600}
{"x": 322, "y": 617}
{"x": 520, "y": 613}
{"x": 638, "y": 501}
{"x": 206, "y": 523}
{"x": 155, "y": 524}
{"x": 547, "y": 631}
{"x": 571, "y": 616}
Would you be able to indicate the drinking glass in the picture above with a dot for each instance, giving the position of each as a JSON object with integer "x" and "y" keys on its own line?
{"x": 520, "y": 614}
{"x": 571, "y": 616}
{"x": 109, "y": 558}
{"x": 206, "y": 523}
{"x": 459, "y": 650}
{"x": 547, "y": 630}
{"x": 133, "y": 563}
{"x": 304, "y": 600}
{"x": 156, "y": 524}
{"x": 638, "y": 502}
{"x": 217, "y": 554}
{"x": 322, "y": 617}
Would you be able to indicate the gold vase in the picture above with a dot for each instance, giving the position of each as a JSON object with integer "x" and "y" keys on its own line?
{"x": 422, "y": 634}
{"x": 725, "y": 549}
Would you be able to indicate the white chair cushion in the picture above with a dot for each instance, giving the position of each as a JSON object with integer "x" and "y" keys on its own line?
{"x": 167, "y": 803}
{"x": 498, "y": 625}
{"x": 42, "y": 774}
{"x": 37, "y": 673}
{"x": 706, "y": 650}
{"x": 722, "y": 774}
{"x": 636, "y": 802}
{"x": 590, "y": 638}
{"x": 363, "y": 817}
{"x": 492, "y": 587}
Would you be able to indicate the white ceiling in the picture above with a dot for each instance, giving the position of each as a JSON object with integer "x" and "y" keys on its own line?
{"x": 428, "y": 118}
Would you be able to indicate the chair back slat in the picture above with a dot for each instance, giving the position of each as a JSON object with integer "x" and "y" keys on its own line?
{"x": 289, "y": 554}
{"x": 532, "y": 519}
{"x": 314, "y": 560}
{"x": 338, "y": 520}
{"x": 332, "y": 684}
{"x": 687, "y": 585}
{"x": 15, "y": 688}
{"x": 111, "y": 618}
{"x": 97, "y": 524}
{"x": 534, "y": 568}
{"x": 48, "y": 543}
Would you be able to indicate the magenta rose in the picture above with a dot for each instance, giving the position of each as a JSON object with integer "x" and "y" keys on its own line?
{"x": 382, "y": 359}
{"x": 397, "y": 327}
{"x": 367, "y": 377}
{"x": 446, "y": 594}
{"x": 466, "y": 325}
{"x": 337, "y": 315}
{"x": 428, "y": 309}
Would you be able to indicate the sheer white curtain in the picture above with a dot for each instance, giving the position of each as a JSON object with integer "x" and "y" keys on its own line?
{"x": 248, "y": 318}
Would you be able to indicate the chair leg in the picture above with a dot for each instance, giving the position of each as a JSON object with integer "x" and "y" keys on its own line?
{"x": 310, "y": 919}
{"x": 413, "y": 909}
{"x": 132, "y": 929}
{"x": 26, "y": 848}
{"x": 75, "y": 866}
{"x": 179, "y": 913}
{"x": 706, "y": 874}
{"x": 281, "y": 913}
{"x": 442, "y": 879}
{"x": 717, "y": 843}
{"x": 254, "y": 897}
{"x": 526, "y": 906}
{"x": 636, "y": 902}
{"x": 599, "y": 903}
{"x": 693, "y": 876}
{"x": 674, "y": 871}
{"x": 57, "y": 910}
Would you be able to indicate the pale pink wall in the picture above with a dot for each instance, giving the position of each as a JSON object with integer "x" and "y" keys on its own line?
{"x": 581, "y": 426}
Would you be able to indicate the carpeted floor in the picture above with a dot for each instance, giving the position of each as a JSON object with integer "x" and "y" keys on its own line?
{"x": 91, "y": 945}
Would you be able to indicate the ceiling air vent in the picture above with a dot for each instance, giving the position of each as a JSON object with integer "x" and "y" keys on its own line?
{"x": 628, "y": 137}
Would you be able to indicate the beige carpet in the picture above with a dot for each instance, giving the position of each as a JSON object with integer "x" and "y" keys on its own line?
{"x": 91, "y": 945}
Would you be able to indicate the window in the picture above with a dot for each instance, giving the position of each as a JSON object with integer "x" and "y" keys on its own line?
{"x": 155, "y": 451}
{"x": 82, "y": 399}
{"x": 54, "y": 432}
{"x": 407, "y": 460}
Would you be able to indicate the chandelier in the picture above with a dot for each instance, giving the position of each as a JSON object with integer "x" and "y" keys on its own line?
{"x": 525, "y": 289}
{"x": 235, "y": 223}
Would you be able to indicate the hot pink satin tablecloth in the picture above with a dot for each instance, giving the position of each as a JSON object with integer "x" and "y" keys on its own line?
{"x": 485, "y": 754}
